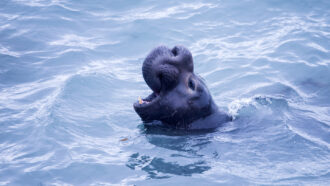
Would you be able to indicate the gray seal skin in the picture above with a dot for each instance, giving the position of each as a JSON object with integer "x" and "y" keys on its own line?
{"x": 179, "y": 97}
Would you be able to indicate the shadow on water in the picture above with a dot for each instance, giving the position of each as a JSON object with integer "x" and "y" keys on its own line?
{"x": 159, "y": 168}
{"x": 182, "y": 144}
{"x": 178, "y": 140}
{"x": 156, "y": 128}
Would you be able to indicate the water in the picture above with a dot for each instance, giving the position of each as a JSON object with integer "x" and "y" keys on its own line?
{"x": 71, "y": 70}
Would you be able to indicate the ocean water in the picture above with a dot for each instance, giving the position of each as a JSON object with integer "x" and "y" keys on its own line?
{"x": 71, "y": 70}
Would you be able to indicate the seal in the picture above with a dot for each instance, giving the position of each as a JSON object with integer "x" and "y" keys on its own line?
{"x": 179, "y": 97}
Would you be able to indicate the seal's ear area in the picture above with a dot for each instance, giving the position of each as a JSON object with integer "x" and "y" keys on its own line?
{"x": 183, "y": 58}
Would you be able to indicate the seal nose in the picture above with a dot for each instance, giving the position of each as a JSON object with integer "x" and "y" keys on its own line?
{"x": 162, "y": 66}
{"x": 182, "y": 58}
{"x": 151, "y": 66}
{"x": 168, "y": 75}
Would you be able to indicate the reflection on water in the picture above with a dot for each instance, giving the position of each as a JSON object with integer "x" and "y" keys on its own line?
{"x": 181, "y": 144}
{"x": 158, "y": 168}
{"x": 70, "y": 71}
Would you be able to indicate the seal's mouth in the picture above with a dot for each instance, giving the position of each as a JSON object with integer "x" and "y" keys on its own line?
{"x": 148, "y": 108}
{"x": 148, "y": 101}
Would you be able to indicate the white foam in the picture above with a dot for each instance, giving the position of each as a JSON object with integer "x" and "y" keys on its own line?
{"x": 73, "y": 40}
{"x": 6, "y": 51}
{"x": 150, "y": 13}
{"x": 236, "y": 105}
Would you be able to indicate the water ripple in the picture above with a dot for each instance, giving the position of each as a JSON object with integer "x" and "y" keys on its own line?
{"x": 146, "y": 13}
{"x": 70, "y": 71}
{"x": 75, "y": 41}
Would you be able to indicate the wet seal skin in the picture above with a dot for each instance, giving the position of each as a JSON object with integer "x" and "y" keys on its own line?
{"x": 179, "y": 97}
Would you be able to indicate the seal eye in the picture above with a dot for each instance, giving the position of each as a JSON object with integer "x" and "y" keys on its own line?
{"x": 191, "y": 84}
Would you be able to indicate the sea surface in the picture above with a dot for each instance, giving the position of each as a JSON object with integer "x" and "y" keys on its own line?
{"x": 71, "y": 70}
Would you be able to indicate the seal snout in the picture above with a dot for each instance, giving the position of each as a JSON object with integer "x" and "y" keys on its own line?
{"x": 162, "y": 67}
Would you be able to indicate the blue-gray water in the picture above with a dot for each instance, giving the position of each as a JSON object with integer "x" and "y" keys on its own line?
{"x": 71, "y": 70}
